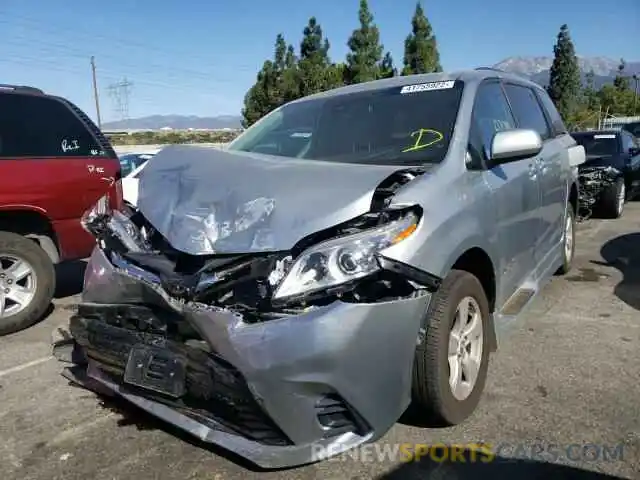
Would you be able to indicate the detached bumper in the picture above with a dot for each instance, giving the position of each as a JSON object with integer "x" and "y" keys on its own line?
{"x": 283, "y": 392}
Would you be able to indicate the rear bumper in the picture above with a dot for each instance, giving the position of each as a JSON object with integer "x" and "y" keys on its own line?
{"x": 282, "y": 392}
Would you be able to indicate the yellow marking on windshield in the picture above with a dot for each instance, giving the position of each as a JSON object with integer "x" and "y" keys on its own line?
{"x": 418, "y": 144}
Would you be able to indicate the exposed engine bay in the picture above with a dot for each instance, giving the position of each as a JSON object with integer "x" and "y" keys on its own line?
{"x": 343, "y": 261}
{"x": 593, "y": 182}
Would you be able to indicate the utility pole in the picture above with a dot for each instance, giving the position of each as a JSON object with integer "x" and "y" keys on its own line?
{"x": 635, "y": 96}
{"x": 95, "y": 91}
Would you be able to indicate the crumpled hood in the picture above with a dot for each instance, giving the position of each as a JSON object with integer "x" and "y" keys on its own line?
{"x": 205, "y": 200}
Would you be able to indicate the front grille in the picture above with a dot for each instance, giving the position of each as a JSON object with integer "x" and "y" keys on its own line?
{"x": 215, "y": 390}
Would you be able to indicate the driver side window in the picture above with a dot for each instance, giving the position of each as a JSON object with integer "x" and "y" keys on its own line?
{"x": 491, "y": 114}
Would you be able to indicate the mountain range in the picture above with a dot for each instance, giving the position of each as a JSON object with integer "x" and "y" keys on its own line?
{"x": 537, "y": 68}
{"x": 534, "y": 68}
{"x": 176, "y": 122}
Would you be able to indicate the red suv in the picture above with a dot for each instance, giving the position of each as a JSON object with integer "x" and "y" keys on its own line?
{"x": 54, "y": 165}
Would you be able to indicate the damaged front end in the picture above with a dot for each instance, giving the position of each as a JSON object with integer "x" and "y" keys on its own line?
{"x": 593, "y": 182}
{"x": 284, "y": 357}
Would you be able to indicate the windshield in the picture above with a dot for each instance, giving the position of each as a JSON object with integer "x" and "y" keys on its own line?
{"x": 404, "y": 125}
{"x": 598, "y": 144}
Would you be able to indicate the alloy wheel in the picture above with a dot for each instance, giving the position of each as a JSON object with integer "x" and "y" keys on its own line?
{"x": 18, "y": 284}
{"x": 465, "y": 348}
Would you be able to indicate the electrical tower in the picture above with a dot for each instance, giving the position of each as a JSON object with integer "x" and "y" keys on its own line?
{"x": 119, "y": 93}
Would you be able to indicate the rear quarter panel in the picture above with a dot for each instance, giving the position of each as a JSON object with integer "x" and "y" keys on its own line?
{"x": 61, "y": 190}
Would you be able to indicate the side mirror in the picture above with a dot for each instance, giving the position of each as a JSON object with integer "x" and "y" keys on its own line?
{"x": 634, "y": 151}
{"x": 512, "y": 145}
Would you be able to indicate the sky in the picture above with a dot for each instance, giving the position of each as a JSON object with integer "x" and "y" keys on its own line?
{"x": 199, "y": 57}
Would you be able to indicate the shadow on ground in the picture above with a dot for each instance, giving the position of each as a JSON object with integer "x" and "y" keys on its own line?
{"x": 69, "y": 278}
{"x": 471, "y": 465}
{"x": 623, "y": 253}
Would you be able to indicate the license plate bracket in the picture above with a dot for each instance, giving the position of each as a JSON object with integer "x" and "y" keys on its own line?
{"x": 155, "y": 369}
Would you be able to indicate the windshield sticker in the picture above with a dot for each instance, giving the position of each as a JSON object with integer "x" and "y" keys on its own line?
{"x": 604, "y": 136}
{"x": 427, "y": 87}
{"x": 425, "y": 137}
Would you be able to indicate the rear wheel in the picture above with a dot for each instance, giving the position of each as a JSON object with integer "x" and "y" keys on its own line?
{"x": 569, "y": 241}
{"x": 27, "y": 282}
{"x": 613, "y": 199}
{"x": 452, "y": 356}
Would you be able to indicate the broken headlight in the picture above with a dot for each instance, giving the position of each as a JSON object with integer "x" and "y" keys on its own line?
{"x": 341, "y": 260}
{"x": 105, "y": 223}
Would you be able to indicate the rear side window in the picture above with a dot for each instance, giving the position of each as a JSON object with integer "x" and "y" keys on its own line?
{"x": 37, "y": 126}
{"x": 557, "y": 125}
{"x": 527, "y": 110}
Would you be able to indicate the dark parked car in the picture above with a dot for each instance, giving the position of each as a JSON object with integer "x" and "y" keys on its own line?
{"x": 611, "y": 174}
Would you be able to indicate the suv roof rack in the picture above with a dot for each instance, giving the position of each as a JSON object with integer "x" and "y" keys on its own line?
{"x": 21, "y": 88}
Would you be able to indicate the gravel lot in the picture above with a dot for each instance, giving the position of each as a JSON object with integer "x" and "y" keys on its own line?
{"x": 566, "y": 375}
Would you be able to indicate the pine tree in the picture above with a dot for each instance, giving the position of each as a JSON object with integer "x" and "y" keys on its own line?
{"x": 363, "y": 60}
{"x": 313, "y": 66}
{"x": 275, "y": 84}
{"x": 621, "y": 82}
{"x": 564, "y": 77}
{"x": 387, "y": 70}
{"x": 420, "y": 47}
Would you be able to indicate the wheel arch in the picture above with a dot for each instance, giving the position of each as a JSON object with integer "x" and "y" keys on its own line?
{"x": 33, "y": 223}
{"x": 477, "y": 262}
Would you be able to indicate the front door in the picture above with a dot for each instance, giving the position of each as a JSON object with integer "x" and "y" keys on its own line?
{"x": 516, "y": 196}
{"x": 548, "y": 166}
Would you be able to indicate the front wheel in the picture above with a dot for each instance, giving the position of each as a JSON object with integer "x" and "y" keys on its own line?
{"x": 27, "y": 282}
{"x": 452, "y": 356}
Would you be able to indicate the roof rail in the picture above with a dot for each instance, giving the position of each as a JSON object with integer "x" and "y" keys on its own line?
{"x": 493, "y": 69}
{"x": 21, "y": 88}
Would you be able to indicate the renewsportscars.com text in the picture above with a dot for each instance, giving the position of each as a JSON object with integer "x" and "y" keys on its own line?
{"x": 474, "y": 452}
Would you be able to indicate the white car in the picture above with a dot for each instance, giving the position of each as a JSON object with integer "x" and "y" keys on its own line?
{"x": 132, "y": 164}
{"x": 130, "y": 185}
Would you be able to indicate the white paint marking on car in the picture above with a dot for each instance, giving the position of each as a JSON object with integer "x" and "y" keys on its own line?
{"x": 426, "y": 87}
{"x": 24, "y": 366}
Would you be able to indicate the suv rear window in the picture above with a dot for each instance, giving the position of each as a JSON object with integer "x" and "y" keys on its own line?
{"x": 598, "y": 144}
{"x": 39, "y": 126}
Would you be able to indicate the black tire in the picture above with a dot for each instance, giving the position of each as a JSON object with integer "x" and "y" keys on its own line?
{"x": 567, "y": 259}
{"x": 432, "y": 395}
{"x": 609, "y": 202}
{"x": 30, "y": 251}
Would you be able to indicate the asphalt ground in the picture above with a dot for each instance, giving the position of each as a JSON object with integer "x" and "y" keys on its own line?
{"x": 562, "y": 399}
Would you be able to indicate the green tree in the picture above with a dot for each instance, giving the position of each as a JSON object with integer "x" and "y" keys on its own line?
{"x": 275, "y": 84}
{"x": 258, "y": 101}
{"x": 621, "y": 82}
{"x": 420, "y": 47}
{"x": 564, "y": 78}
{"x": 387, "y": 70}
{"x": 365, "y": 55}
{"x": 314, "y": 74}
